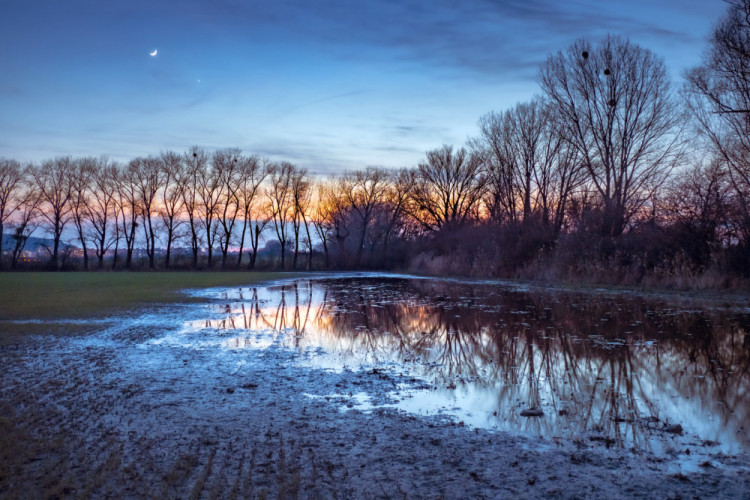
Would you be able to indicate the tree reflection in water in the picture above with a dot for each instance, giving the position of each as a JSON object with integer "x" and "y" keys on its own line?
{"x": 612, "y": 368}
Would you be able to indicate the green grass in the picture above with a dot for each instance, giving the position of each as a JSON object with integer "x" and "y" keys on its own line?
{"x": 80, "y": 295}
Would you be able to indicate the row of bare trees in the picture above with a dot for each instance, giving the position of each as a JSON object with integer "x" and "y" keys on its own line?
{"x": 225, "y": 202}
{"x": 605, "y": 148}
{"x": 220, "y": 203}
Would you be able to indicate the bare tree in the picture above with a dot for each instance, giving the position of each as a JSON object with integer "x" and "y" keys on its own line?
{"x": 252, "y": 173}
{"x": 227, "y": 166}
{"x": 529, "y": 162}
{"x": 616, "y": 102}
{"x": 53, "y": 180}
{"x": 699, "y": 201}
{"x": 146, "y": 173}
{"x": 363, "y": 191}
{"x": 171, "y": 200}
{"x": 323, "y": 215}
{"x": 342, "y": 220}
{"x": 80, "y": 178}
{"x": 496, "y": 147}
{"x": 398, "y": 198}
{"x": 210, "y": 191}
{"x": 280, "y": 202}
{"x": 196, "y": 161}
{"x": 103, "y": 207}
{"x": 514, "y": 141}
{"x": 300, "y": 192}
{"x": 449, "y": 188}
{"x": 26, "y": 220}
{"x": 718, "y": 94}
{"x": 11, "y": 180}
{"x": 19, "y": 206}
{"x": 128, "y": 208}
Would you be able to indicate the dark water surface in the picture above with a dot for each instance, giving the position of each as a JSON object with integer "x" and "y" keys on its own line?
{"x": 610, "y": 368}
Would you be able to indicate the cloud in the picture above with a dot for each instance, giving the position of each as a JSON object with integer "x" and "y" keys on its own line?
{"x": 473, "y": 38}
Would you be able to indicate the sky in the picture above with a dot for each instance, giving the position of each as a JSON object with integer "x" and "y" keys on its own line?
{"x": 329, "y": 85}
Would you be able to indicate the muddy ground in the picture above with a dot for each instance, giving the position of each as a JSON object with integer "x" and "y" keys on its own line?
{"x": 133, "y": 410}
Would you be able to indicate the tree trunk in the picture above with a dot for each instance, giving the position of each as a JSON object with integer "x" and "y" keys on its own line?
{"x": 168, "y": 255}
{"x": 242, "y": 242}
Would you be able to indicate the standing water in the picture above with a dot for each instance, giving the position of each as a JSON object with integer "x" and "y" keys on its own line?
{"x": 618, "y": 369}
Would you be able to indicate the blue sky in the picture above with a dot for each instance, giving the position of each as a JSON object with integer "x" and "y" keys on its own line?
{"x": 329, "y": 85}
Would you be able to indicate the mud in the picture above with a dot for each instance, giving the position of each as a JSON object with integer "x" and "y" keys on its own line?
{"x": 173, "y": 403}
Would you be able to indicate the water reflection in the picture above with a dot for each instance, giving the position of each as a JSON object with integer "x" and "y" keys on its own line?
{"x": 613, "y": 369}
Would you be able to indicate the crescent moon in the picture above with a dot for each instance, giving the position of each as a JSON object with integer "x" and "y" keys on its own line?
{"x": 152, "y": 54}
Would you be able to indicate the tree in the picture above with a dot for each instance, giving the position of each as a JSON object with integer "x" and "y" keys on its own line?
{"x": 280, "y": 202}
{"x": 210, "y": 190}
{"x": 616, "y": 104}
{"x": 195, "y": 163}
{"x": 448, "y": 189}
{"x": 171, "y": 199}
{"x": 718, "y": 94}
{"x": 698, "y": 204}
{"x": 11, "y": 180}
{"x": 26, "y": 219}
{"x": 103, "y": 207}
{"x": 251, "y": 175}
{"x": 363, "y": 191}
{"x": 227, "y": 166}
{"x": 531, "y": 167}
{"x": 301, "y": 193}
{"x": 80, "y": 177}
{"x": 53, "y": 180}
{"x": 146, "y": 174}
{"x": 323, "y": 216}
{"x": 398, "y": 199}
{"x": 128, "y": 208}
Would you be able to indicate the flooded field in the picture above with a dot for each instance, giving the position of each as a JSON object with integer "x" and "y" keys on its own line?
{"x": 372, "y": 386}
{"x": 619, "y": 370}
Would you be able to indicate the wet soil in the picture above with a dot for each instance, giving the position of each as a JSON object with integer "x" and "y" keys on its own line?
{"x": 158, "y": 405}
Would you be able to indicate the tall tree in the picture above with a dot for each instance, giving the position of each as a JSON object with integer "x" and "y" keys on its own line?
{"x": 171, "y": 199}
{"x": 532, "y": 170}
{"x": 26, "y": 219}
{"x": 128, "y": 208}
{"x": 322, "y": 216}
{"x": 210, "y": 190}
{"x": 81, "y": 176}
{"x": 53, "y": 180}
{"x": 449, "y": 188}
{"x": 196, "y": 161}
{"x": 616, "y": 102}
{"x": 364, "y": 191}
{"x": 300, "y": 193}
{"x": 280, "y": 202}
{"x": 397, "y": 201}
{"x": 227, "y": 166}
{"x": 11, "y": 180}
{"x": 718, "y": 94}
{"x": 146, "y": 173}
{"x": 103, "y": 207}
{"x": 252, "y": 173}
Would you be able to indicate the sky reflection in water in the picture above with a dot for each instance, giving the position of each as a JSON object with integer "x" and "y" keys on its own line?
{"x": 604, "y": 368}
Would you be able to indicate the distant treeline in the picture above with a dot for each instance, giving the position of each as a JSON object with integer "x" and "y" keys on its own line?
{"x": 609, "y": 174}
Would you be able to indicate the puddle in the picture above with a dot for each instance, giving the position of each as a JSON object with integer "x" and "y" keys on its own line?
{"x": 605, "y": 369}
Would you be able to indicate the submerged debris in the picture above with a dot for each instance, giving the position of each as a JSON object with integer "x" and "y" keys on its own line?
{"x": 532, "y": 412}
{"x": 673, "y": 429}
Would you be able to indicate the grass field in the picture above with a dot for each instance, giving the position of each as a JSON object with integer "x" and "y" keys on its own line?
{"x": 79, "y": 295}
